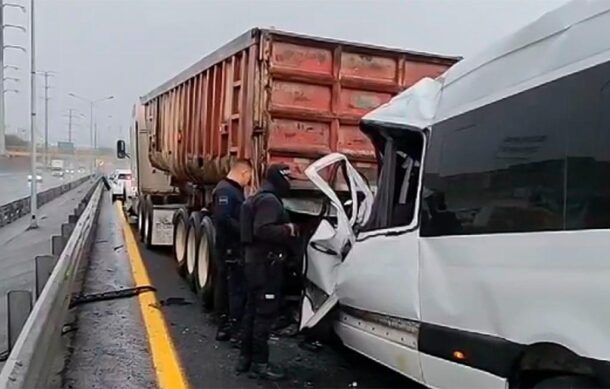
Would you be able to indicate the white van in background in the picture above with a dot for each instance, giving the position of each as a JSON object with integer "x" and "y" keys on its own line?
{"x": 482, "y": 260}
{"x": 122, "y": 185}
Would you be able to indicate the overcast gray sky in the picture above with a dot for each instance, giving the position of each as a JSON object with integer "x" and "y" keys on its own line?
{"x": 125, "y": 48}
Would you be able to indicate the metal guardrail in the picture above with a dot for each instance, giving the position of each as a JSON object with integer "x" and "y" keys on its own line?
{"x": 21, "y": 207}
{"x": 31, "y": 361}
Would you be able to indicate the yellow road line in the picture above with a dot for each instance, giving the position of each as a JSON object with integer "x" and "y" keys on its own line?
{"x": 165, "y": 359}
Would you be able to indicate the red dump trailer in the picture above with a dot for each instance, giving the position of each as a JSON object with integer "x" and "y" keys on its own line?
{"x": 268, "y": 96}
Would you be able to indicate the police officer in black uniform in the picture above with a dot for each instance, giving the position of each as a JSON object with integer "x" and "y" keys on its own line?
{"x": 229, "y": 284}
{"x": 267, "y": 234}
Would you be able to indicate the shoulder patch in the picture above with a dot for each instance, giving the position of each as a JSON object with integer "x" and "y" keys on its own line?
{"x": 223, "y": 200}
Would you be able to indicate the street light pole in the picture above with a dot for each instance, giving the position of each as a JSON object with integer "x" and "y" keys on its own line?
{"x": 46, "y": 75}
{"x": 70, "y": 126}
{"x": 93, "y": 132}
{"x": 70, "y": 115}
{"x": 33, "y": 203}
{"x": 2, "y": 67}
{"x": 2, "y": 124}
{"x": 46, "y": 119}
{"x": 91, "y": 137}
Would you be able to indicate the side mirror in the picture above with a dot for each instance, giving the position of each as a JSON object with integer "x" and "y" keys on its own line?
{"x": 121, "y": 152}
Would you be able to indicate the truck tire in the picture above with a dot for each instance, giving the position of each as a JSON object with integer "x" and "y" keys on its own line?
{"x": 192, "y": 247}
{"x": 148, "y": 221}
{"x": 204, "y": 280}
{"x": 179, "y": 241}
{"x": 567, "y": 382}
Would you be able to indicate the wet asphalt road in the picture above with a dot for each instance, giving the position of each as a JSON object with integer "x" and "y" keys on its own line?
{"x": 209, "y": 364}
{"x": 15, "y": 185}
{"x": 14, "y": 179}
{"x": 109, "y": 348}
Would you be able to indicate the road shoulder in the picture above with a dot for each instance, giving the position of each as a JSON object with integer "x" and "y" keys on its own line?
{"x": 110, "y": 345}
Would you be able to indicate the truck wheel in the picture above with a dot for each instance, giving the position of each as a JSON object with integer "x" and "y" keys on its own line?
{"x": 180, "y": 227}
{"x": 192, "y": 242}
{"x": 204, "y": 282}
{"x": 148, "y": 221}
{"x": 567, "y": 382}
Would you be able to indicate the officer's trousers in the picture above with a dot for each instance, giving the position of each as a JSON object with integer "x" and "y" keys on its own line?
{"x": 236, "y": 282}
{"x": 229, "y": 290}
{"x": 264, "y": 283}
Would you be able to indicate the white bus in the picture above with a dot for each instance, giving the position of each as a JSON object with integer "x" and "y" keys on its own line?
{"x": 482, "y": 259}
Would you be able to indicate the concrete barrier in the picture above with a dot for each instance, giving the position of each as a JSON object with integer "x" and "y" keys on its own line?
{"x": 21, "y": 207}
{"x": 39, "y": 342}
{"x": 19, "y": 304}
{"x": 44, "y": 265}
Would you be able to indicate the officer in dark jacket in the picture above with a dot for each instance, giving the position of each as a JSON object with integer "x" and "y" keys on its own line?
{"x": 267, "y": 234}
{"x": 229, "y": 292}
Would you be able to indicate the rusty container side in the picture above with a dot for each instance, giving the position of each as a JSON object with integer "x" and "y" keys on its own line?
{"x": 149, "y": 179}
{"x": 317, "y": 90}
{"x": 271, "y": 96}
{"x": 199, "y": 119}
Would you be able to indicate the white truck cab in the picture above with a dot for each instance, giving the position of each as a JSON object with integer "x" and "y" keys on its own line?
{"x": 481, "y": 260}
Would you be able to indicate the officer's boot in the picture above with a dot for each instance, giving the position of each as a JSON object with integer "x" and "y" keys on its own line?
{"x": 243, "y": 364}
{"x": 266, "y": 371}
{"x": 235, "y": 333}
{"x": 223, "y": 333}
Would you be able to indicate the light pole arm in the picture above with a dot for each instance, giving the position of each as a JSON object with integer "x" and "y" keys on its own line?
{"x": 103, "y": 99}
{"x": 80, "y": 98}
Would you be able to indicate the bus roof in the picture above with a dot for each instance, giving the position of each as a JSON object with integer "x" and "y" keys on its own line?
{"x": 560, "y": 42}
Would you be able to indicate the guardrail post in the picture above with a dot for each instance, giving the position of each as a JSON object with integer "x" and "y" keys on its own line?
{"x": 19, "y": 303}
{"x": 44, "y": 265}
{"x": 57, "y": 245}
{"x": 78, "y": 210}
{"x": 66, "y": 230}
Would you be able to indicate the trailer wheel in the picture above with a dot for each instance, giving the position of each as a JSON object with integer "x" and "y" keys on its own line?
{"x": 204, "y": 282}
{"x": 179, "y": 244}
{"x": 193, "y": 233}
{"x": 148, "y": 221}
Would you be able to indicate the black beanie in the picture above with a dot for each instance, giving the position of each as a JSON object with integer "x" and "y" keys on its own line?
{"x": 278, "y": 176}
